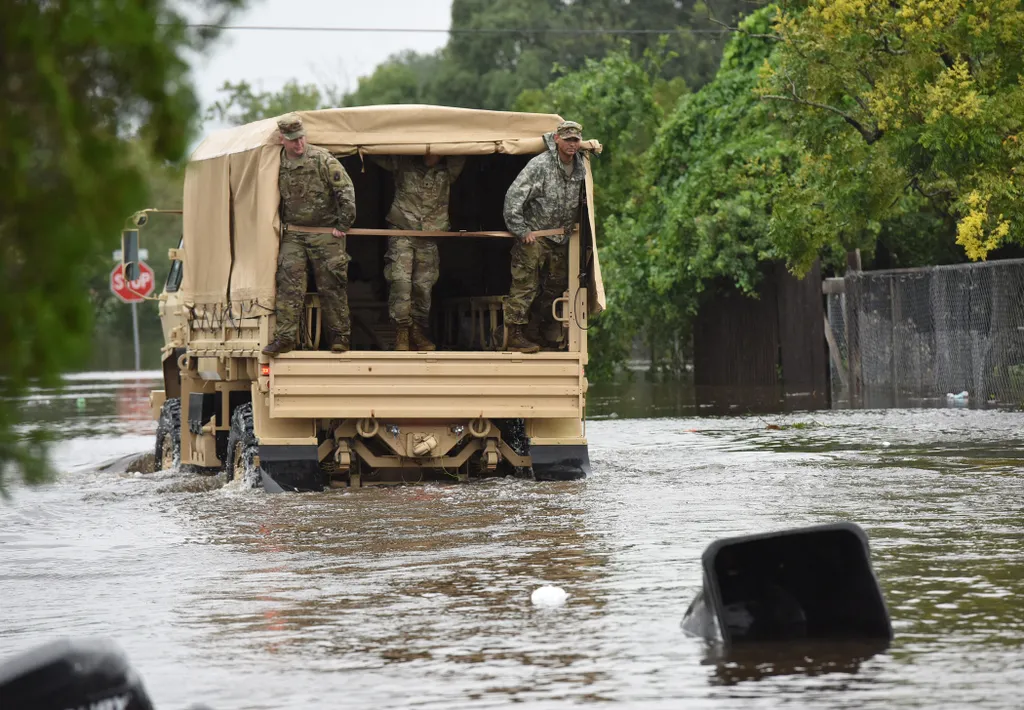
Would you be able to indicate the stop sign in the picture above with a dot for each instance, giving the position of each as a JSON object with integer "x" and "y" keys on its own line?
{"x": 132, "y": 291}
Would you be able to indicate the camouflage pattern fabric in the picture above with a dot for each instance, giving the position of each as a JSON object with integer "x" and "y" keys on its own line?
{"x": 412, "y": 269}
{"x": 421, "y": 192}
{"x": 290, "y": 126}
{"x": 540, "y": 274}
{"x": 316, "y": 191}
{"x": 330, "y": 269}
{"x": 544, "y": 197}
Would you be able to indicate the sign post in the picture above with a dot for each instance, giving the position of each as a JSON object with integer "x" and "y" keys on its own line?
{"x": 133, "y": 292}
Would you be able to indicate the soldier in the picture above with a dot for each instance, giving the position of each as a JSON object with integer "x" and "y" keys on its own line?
{"x": 546, "y": 195}
{"x": 422, "y": 189}
{"x": 315, "y": 192}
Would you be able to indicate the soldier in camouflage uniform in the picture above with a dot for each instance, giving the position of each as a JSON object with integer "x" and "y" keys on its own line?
{"x": 422, "y": 189}
{"x": 315, "y": 192}
{"x": 546, "y": 195}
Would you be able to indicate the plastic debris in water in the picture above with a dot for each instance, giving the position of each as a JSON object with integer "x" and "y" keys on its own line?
{"x": 886, "y": 444}
{"x": 548, "y": 596}
{"x": 957, "y": 397}
{"x": 80, "y": 402}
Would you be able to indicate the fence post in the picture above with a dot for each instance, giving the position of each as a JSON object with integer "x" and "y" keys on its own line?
{"x": 853, "y": 305}
{"x": 893, "y": 319}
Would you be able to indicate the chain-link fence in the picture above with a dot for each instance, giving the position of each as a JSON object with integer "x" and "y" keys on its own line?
{"x": 953, "y": 333}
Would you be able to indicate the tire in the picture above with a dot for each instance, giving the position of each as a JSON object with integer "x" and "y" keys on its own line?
{"x": 241, "y": 450}
{"x": 513, "y": 432}
{"x": 168, "y": 436}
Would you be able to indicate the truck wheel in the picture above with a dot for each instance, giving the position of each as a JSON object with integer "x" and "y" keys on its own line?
{"x": 168, "y": 435}
{"x": 238, "y": 463}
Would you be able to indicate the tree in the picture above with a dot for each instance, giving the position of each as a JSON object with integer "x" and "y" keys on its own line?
{"x": 701, "y": 208}
{"x": 405, "y": 78}
{"x": 924, "y": 97}
{"x": 496, "y": 51}
{"x": 243, "y": 105}
{"x": 81, "y": 78}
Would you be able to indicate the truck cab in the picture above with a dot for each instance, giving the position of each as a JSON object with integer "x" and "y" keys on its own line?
{"x": 311, "y": 418}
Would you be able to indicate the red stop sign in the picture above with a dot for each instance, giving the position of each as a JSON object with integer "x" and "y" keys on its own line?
{"x": 132, "y": 291}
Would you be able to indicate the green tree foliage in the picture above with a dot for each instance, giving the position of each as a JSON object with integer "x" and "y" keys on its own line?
{"x": 926, "y": 98}
{"x": 80, "y": 78}
{"x": 485, "y": 65}
{"x": 405, "y": 78}
{"x": 241, "y": 104}
{"x": 702, "y": 210}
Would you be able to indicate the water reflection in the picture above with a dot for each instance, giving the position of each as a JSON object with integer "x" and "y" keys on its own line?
{"x": 436, "y": 574}
{"x": 757, "y": 662}
{"x": 639, "y": 397}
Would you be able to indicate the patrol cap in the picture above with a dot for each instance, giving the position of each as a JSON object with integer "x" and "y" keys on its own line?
{"x": 290, "y": 126}
{"x": 569, "y": 129}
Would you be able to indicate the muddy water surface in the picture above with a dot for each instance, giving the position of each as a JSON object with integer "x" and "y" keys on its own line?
{"x": 419, "y": 596}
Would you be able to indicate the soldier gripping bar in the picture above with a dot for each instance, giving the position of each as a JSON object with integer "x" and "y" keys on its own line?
{"x": 416, "y": 233}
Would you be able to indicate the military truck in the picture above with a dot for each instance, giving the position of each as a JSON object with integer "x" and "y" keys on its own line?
{"x": 310, "y": 418}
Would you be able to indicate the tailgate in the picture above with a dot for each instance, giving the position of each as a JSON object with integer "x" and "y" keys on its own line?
{"x": 440, "y": 385}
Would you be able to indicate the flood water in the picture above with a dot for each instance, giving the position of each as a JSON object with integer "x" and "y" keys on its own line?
{"x": 420, "y": 596}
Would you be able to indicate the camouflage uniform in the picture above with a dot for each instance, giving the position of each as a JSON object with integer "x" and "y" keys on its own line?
{"x": 542, "y": 197}
{"x": 421, "y": 202}
{"x": 316, "y": 191}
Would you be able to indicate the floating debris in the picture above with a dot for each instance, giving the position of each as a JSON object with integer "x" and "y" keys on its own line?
{"x": 549, "y": 596}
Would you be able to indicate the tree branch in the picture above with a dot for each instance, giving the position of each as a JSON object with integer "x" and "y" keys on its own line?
{"x": 867, "y": 76}
{"x": 916, "y": 184}
{"x": 889, "y": 50}
{"x": 858, "y": 99}
{"x": 729, "y": 28}
{"x": 869, "y": 135}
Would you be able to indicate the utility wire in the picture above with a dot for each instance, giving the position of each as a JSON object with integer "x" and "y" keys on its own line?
{"x": 467, "y": 30}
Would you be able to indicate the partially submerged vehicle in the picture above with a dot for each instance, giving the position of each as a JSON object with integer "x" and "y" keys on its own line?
{"x": 311, "y": 418}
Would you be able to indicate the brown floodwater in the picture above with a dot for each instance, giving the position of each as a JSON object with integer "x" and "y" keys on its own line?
{"x": 420, "y": 596}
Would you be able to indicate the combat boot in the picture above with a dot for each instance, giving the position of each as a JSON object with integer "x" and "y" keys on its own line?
{"x": 340, "y": 345}
{"x": 419, "y": 340}
{"x": 402, "y": 337}
{"x": 518, "y": 341}
{"x": 279, "y": 347}
{"x": 537, "y": 332}
{"x": 533, "y": 332}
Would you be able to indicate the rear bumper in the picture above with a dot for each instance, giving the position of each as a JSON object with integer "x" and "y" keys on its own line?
{"x": 565, "y": 462}
{"x": 297, "y": 468}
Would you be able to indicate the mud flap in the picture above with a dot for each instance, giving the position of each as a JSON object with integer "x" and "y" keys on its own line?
{"x": 290, "y": 468}
{"x": 563, "y": 462}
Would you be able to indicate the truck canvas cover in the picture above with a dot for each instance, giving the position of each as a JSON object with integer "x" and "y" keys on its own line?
{"x": 231, "y": 224}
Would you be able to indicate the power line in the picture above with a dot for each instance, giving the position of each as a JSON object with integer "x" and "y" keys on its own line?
{"x": 466, "y": 30}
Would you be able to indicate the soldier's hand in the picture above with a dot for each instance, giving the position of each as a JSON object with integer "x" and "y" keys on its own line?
{"x": 530, "y": 238}
{"x": 337, "y": 233}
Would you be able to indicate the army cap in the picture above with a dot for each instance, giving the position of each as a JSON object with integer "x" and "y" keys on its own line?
{"x": 570, "y": 129}
{"x": 290, "y": 126}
